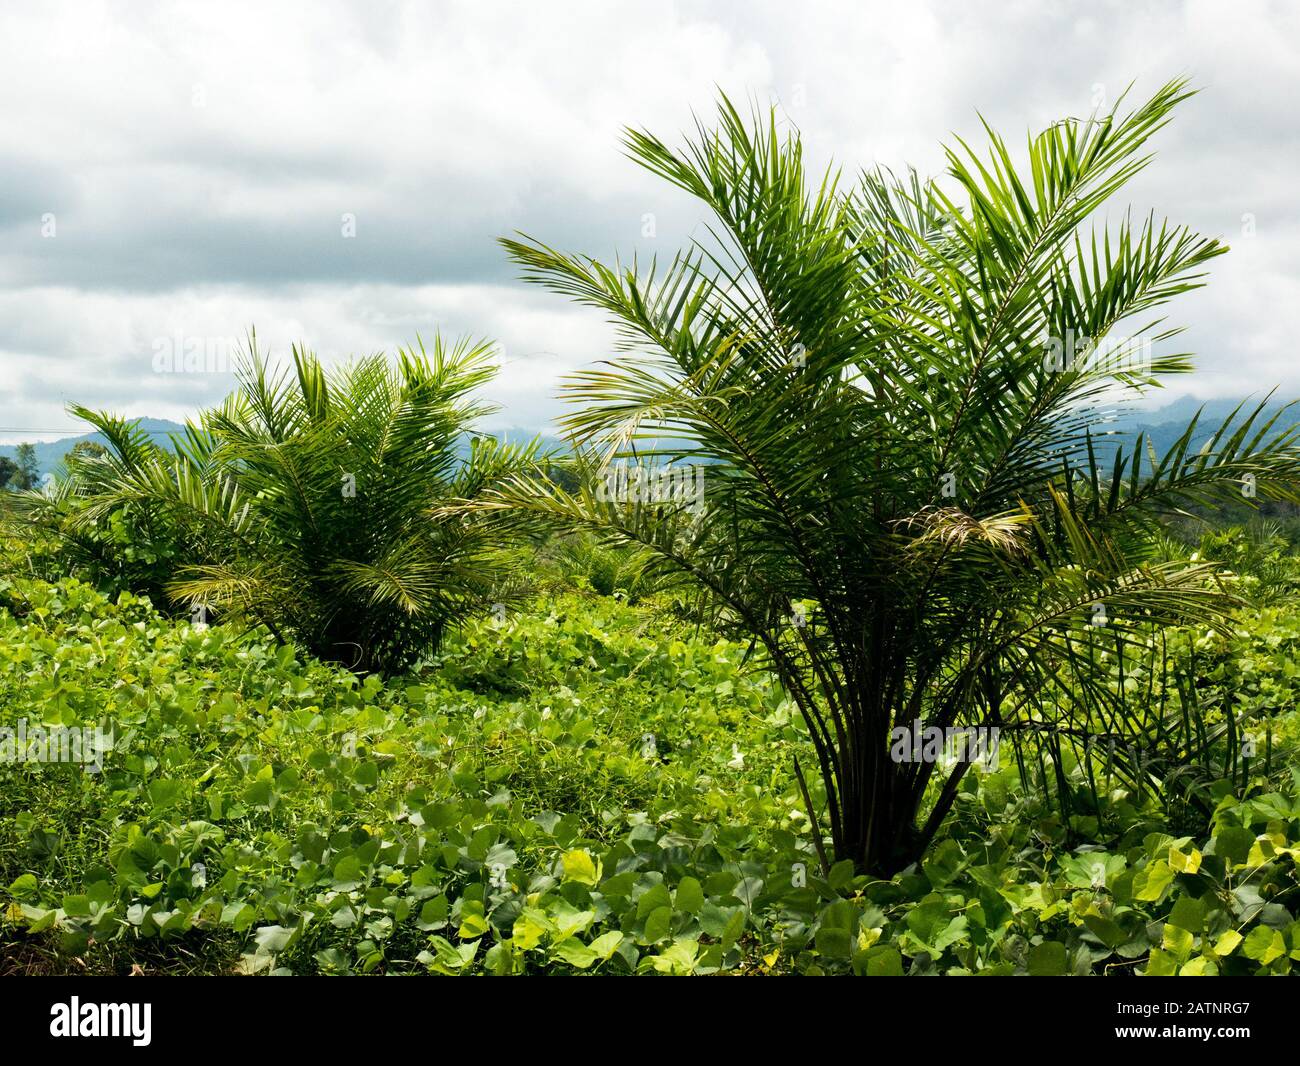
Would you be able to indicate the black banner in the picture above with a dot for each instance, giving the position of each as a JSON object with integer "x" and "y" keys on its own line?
{"x": 143, "y": 1016}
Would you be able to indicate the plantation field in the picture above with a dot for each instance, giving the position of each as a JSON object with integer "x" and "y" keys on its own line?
{"x": 334, "y": 681}
{"x": 585, "y": 786}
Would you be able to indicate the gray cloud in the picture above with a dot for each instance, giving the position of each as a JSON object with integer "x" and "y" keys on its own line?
{"x": 199, "y": 161}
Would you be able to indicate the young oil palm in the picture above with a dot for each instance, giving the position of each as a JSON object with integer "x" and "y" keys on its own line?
{"x": 895, "y": 392}
{"x": 306, "y": 501}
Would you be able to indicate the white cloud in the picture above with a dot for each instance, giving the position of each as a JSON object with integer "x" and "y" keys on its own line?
{"x": 115, "y": 349}
{"x": 198, "y": 160}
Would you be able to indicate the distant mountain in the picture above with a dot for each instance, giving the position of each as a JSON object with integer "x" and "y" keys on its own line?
{"x": 1163, "y": 426}
{"x": 49, "y": 455}
{"x": 519, "y": 435}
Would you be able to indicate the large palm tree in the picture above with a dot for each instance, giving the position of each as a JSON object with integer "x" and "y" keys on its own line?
{"x": 910, "y": 504}
{"x": 306, "y": 501}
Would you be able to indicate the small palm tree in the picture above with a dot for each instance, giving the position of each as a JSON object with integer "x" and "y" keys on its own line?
{"x": 306, "y": 502}
{"x": 132, "y": 546}
{"x": 896, "y": 394}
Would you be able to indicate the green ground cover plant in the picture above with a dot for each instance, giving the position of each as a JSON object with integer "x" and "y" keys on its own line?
{"x": 587, "y": 787}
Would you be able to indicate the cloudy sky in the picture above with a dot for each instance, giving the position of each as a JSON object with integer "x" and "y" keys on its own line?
{"x": 172, "y": 174}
